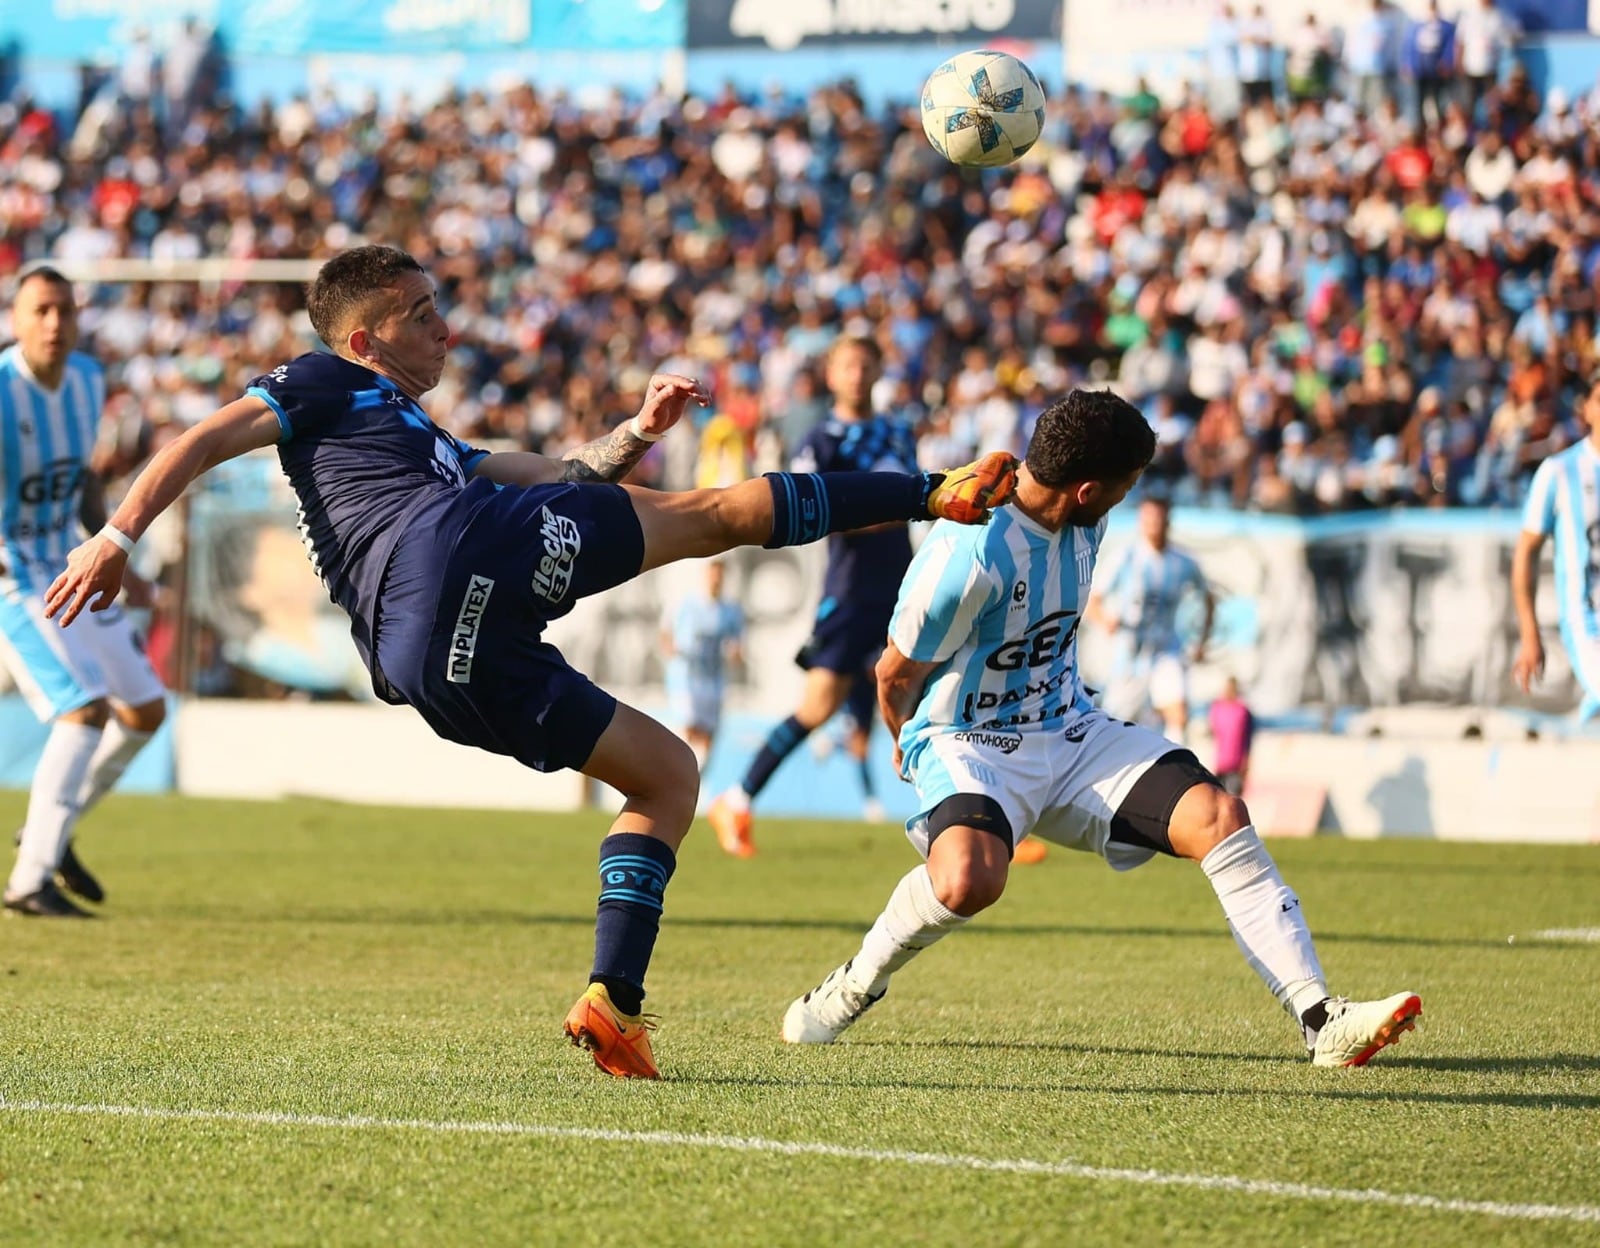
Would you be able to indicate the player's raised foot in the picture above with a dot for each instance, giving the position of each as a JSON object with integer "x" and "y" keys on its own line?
{"x": 77, "y": 878}
{"x": 968, "y": 494}
{"x": 732, "y": 827}
{"x": 618, "y": 1042}
{"x": 48, "y": 902}
{"x": 827, "y": 1011}
{"x": 872, "y": 811}
{"x": 1355, "y": 1030}
{"x": 1030, "y": 851}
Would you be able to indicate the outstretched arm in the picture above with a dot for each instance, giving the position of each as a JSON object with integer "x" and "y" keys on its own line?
{"x": 609, "y": 457}
{"x": 96, "y": 567}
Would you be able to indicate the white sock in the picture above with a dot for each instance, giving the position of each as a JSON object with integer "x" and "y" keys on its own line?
{"x": 118, "y": 745}
{"x": 738, "y": 800}
{"x": 1265, "y": 918}
{"x": 52, "y": 805}
{"x": 914, "y": 919}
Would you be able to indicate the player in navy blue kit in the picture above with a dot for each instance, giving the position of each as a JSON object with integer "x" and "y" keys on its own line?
{"x": 858, "y": 591}
{"x": 450, "y": 560}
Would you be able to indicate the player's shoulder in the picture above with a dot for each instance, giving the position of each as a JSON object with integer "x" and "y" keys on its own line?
{"x": 85, "y": 365}
{"x": 315, "y": 371}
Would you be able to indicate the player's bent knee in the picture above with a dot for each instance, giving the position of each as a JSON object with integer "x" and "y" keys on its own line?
{"x": 1206, "y": 816}
{"x": 968, "y": 885}
{"x": 969, "y": 851}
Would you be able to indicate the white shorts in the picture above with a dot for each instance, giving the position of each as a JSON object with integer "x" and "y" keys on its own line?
{"x": 1585, "y": 655}
{"x": 1062, "y": 785}
{"x": 1148, "y": 682}
{"x": 61, "y": 669}
{"x": 695, "y": 703}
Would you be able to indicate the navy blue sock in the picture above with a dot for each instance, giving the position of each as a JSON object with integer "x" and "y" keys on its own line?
{"x": 634, "y": 871}
{"x": 866, "y": 778}
{"x": 807, "y": 506}
{"x": 778, "y": 746}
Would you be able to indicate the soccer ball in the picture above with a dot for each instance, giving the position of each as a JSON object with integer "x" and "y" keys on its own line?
{"x": 982, "y": 108}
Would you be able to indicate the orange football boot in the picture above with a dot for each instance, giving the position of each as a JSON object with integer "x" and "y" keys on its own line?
{"x": 1030, "y": 851}
{"x": 732, "y": 828}
{"x": 968, "y": 494}
{"x": 618, "y": 1042}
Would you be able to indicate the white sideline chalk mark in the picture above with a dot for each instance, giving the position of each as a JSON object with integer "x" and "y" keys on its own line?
{"x": 1590, "y": 935}
{"x": 801, "y": 1148}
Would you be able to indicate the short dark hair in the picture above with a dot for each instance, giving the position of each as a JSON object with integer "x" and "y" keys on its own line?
{"x": 41, "y": 272}
{"x": 1090, "y": 435}
{"x": 348, "y": 282}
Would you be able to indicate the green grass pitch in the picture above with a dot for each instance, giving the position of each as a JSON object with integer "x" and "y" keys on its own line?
{"x": 356, "y": 1014}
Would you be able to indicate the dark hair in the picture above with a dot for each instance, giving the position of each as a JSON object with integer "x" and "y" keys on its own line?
{"x": 43, "y": 273}
{"x": 1090, "y": 435}
{"x": 348, "y": 282}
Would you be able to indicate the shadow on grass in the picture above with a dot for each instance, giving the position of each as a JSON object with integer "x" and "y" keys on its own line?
{"x": 1033, "y": 1087}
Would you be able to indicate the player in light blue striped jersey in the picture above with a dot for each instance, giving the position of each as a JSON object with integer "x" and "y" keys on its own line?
{"x": 1143, "y": 598}
{"x": 701, "y": 634}
{"x": 91, "y": 681}
{"x": 980, "y": 687}
{"x": 1564, "y": 504}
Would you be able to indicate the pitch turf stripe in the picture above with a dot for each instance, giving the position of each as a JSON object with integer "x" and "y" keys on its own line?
{"x": 801, "y": 1148}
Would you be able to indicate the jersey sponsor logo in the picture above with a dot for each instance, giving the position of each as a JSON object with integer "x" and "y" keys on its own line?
{"x": 464, "y": 639}
{"x": 1005, "y": 742}
{"x": 562, "y": 544}
{"x": 1040, "y": 645}
{"x": 58, "y": 481}
{"x": 977, "y": 704}
{"x": 1076, "y": 732}
{"x": 27, "y": 530}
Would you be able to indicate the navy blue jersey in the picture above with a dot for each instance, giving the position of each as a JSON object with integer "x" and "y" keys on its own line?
{"x": 862, "y": 567}
{"x": 364, "y": 461}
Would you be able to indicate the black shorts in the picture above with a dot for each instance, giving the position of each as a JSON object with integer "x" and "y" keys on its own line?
{"x": 847, "y": 638}
{"x": 467, "y": 596}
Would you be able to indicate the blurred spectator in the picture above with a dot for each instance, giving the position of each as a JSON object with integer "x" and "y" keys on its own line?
{"x": 1428, "y": 64}
{"x": 1483, "y": 35}
{"x": 1257, "y": 56}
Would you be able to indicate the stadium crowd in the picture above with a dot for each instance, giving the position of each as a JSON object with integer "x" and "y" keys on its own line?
{"x": 1366, "y": 281}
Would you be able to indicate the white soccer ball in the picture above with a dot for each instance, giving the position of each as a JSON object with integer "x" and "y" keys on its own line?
{"x": 982, "y": 108}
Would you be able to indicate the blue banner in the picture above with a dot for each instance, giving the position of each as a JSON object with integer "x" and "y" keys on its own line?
{"x": 101, "y": 30}
{"x": 1538, "y": 17}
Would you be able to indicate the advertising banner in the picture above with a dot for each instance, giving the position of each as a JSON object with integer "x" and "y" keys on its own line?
{"x": 101, "y": 30}
{"x": 785, "y": 24}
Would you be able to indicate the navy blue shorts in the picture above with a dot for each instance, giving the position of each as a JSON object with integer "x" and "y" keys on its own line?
{"x": 847, "y": 639}
{"x": 464, "y": 602}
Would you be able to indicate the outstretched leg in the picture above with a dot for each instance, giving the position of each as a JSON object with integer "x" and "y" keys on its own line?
{"x": 1213, "y": 828}
{"x": 792, "y": 509}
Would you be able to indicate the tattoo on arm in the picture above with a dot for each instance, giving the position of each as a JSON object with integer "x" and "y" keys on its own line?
{"x": 609, "y": 457}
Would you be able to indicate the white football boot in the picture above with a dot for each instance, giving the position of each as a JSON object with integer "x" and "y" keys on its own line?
{"x": 828, "y": 1010}
{"x": 1355, "y": 1030}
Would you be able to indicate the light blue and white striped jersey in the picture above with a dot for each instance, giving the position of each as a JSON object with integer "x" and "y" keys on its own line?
{"x": 46, "y": 439}
{"x": 702, "y": 629}
{"x": 996, "y": 606}
{"x": 1564, "y": 503}
{"x": 1145, "y": 590}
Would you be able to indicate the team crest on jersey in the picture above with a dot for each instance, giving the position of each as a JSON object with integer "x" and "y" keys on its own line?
{"x": 464, "y": 639}
{"x": 562, "y": 543}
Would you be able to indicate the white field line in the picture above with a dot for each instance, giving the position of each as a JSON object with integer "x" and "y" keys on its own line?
{"x": 799, "y": 1148}
{"x": 1589, "y": 934}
